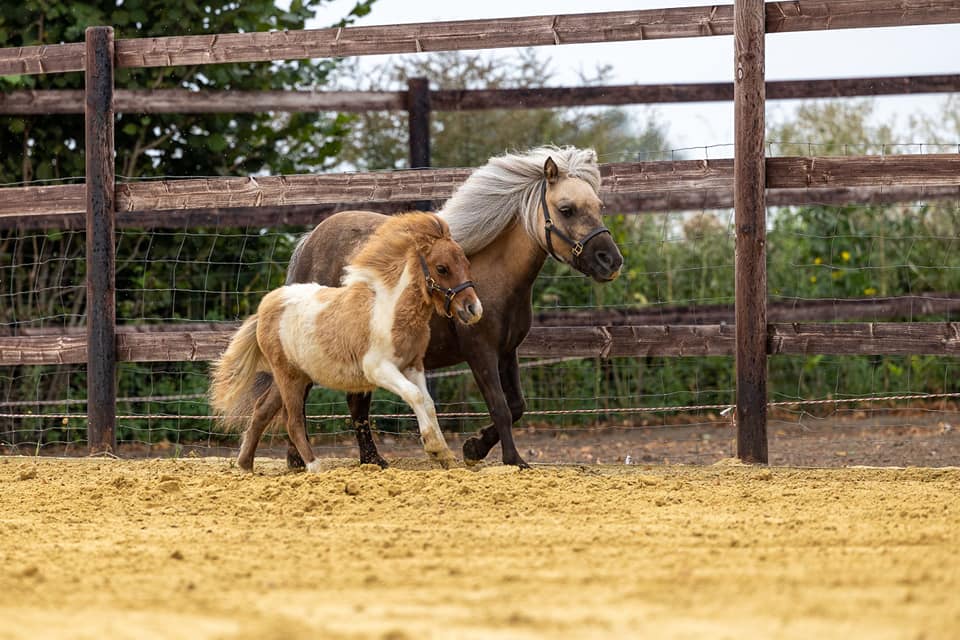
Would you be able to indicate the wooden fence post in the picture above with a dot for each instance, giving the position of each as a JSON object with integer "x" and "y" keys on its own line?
{"x": 101, "y": 293}
{"x": 749, "y": 199}
{"x": 418, "y": 108}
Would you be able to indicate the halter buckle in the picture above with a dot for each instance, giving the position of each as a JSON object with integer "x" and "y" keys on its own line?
{"x": 577, "y": 249}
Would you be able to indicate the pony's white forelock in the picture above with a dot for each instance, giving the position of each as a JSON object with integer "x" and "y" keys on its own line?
{"x": 508, "y": 188}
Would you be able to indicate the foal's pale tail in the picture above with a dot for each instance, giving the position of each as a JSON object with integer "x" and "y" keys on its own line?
{"x": 234, "y": 384}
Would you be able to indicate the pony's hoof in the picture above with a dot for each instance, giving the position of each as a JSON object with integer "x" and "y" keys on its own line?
{"x": 516, "y": 461}
{"x": 294, "y": 461}
{"x": 473, "y": 452}
{"x": 376, "y": 459}
{"x": 313, "y": 466}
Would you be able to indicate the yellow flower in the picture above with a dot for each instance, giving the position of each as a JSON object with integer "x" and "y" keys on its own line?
{"x": 818, "y": 260}
{"x": 870, "y": 291}
{"x": 836, "y": 275}
{"x": 813, "y": 279}
{"x": 845, "y": 255}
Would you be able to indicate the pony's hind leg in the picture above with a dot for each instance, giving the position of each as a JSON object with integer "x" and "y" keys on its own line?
{"x": 264, "y": 411}
{"x": 293, "y": 391}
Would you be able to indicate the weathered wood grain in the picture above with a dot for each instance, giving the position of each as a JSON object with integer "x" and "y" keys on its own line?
{"x": 874, "y": 338}
{"x": 66, "y": 101}
{"x": 648, "y": 186}
{"x": 551, "y": 30}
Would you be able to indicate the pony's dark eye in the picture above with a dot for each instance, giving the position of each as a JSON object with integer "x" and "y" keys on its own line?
{"x": 566, "y": 212}
{"x": 442, "y": 270}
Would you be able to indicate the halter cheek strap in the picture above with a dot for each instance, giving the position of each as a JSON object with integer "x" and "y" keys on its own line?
{"x": 576, "y": 246}
{"x": 448, "y": 293}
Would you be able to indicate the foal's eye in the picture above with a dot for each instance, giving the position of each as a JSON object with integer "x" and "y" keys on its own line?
{"x": 442, "y": 270}
{"x": 566, "y": 212}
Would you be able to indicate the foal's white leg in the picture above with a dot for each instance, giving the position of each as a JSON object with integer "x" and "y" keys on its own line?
{"x": 433, "y": 440}
{"x": 387, "y": 375}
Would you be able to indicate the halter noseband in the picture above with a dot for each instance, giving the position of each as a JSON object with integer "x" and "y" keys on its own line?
{"x": 577, "y": 246}
{"x": 448, "y": 294}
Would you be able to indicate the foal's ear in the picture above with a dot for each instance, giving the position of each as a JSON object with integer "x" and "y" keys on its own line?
{"x": 550, "y": 170}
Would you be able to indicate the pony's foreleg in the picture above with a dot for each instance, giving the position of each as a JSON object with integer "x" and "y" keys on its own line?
{"x": 264, "y": 410}
{"x": 412, "y": 387}
{"x": 486, "y": 372}
{"x": 477, "y": 447}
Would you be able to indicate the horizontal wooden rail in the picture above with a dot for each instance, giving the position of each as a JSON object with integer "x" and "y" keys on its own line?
{"x": 67, "y": 101}
{"x": 874, "y": 338}
{"x": 551, "y": 30}
{"x": 672, "y": 185}
{"x": 872, "y": 309}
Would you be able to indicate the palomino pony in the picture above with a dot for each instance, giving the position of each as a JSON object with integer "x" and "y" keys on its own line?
{"x": 370, "y": 332}
{"x": 508, "y": 216}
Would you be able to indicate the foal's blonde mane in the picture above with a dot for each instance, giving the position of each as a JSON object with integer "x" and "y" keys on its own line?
{"x": 390, "y": 246}
{"x": 508, "y": 188}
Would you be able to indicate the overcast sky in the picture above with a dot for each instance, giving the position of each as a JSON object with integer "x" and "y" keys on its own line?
{"x": 789, "y": 56}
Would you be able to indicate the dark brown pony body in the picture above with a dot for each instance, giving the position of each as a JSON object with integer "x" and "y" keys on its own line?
{"x": 504, "y": 270}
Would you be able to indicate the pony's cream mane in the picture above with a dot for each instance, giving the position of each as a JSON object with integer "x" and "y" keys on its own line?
{"x": 392, "y": 244}
{"x": 507, "y": 188}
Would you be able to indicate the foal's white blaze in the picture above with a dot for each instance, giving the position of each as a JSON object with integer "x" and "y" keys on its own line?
{"x": 301, "y": 306}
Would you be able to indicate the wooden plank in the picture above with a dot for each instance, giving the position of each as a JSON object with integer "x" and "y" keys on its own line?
{"x": 269, "y": 216}
{"x": 871, "y": 338}
{"x": 658, "y": 186}
{"x": 550, "y": 30}
{"x": 172, "y": 346}
{"x": 47, "y": 58}
{"x": 36, "y": 350}
{"x": 259, "y": 191}
{"x": 101, "y": 261}
{"x": 864, "y": 171}
{"x": 57, "y": 199}
{"x": 821, "y": 15}
{"x": 66, "y": 101}
{"x": 750, "y": 208}
{"x": 175, "y": 344}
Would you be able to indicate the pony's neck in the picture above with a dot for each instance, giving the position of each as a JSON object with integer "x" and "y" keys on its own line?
{"x": 518, "y": 257}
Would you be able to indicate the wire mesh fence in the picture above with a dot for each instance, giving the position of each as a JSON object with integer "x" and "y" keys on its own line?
{"x": 676, "y": 263}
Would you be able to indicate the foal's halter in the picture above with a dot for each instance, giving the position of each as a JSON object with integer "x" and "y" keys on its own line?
{"x": 448, "y": 294}
{"x": 577, "y": 246}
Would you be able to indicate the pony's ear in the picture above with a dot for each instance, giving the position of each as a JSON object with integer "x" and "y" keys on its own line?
{"x": 550, "y": 170}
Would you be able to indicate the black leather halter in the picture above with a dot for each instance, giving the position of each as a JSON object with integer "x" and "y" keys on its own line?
{"x": 577, "y": 246}
{"x": 448, "y": 294}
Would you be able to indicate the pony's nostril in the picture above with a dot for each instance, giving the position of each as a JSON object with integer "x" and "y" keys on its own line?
{"x": 604, "y": 259}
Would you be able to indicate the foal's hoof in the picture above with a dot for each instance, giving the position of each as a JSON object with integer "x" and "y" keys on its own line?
{"x": 294, "y": 461}
{"x": 444, "y": 458}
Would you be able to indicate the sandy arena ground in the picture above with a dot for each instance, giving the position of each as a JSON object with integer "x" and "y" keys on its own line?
{"x": 98, "y": 548}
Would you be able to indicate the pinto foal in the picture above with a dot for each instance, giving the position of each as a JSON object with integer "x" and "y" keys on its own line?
{"x": 370, "y": 332}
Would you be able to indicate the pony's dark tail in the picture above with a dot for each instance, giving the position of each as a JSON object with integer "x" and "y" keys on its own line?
{"x": 234, "y": 387}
